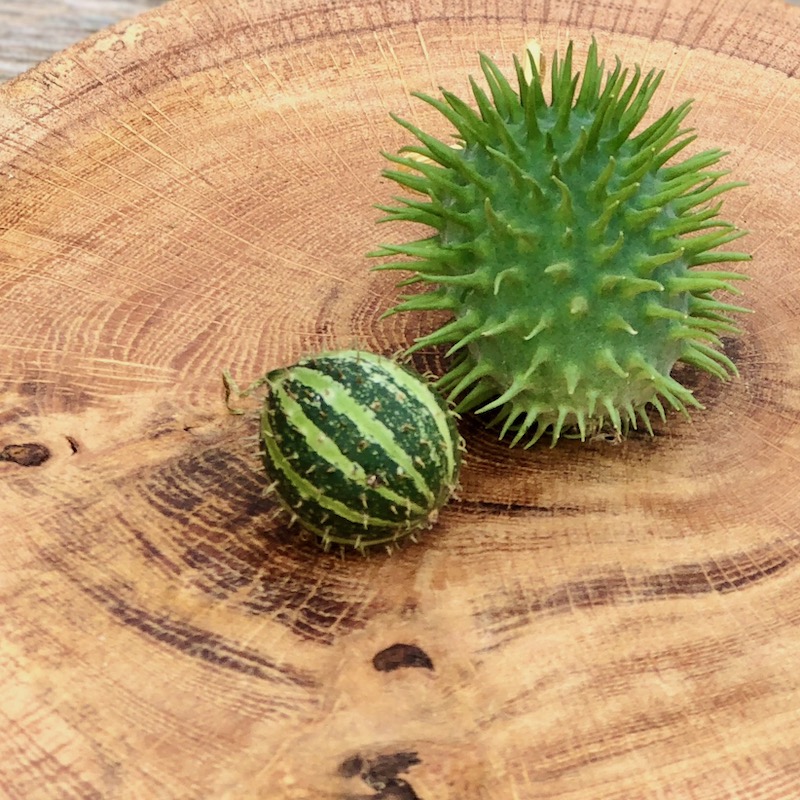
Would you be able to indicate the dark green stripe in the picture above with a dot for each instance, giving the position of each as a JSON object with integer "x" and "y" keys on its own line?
{"x": 364, "y": 419}
{"x": 285, "y": 471}
{"x": 413, "y": 411}
{"x": 334, "y": 440}
{"x": 348, "y": 488}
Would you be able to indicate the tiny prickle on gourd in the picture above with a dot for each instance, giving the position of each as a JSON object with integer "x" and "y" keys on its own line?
{"x": 566, "y": 247}
{"x": 360, "y": 450}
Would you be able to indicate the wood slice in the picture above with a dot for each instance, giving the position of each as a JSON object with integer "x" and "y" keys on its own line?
{"x": 195, "y": 191}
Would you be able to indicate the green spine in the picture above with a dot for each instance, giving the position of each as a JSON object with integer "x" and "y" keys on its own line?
{"x": 360, "y": 450}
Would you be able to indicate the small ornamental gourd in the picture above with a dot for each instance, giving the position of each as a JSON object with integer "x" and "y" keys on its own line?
{"x": 358, "y": 449}
{"x": 570, "y": 252}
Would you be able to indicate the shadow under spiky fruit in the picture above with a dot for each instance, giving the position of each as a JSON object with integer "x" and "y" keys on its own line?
{"x": 566, "y": 248}
{"x": 360, "y": 450}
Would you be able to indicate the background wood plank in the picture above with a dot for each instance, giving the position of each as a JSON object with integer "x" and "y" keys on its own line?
{"x": 31, "y": 31}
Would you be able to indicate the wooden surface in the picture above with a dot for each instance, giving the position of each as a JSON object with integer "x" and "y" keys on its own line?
{"x": 195, "y": 191}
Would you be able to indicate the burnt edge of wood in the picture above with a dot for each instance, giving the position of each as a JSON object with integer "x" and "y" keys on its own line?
{"x": 199, "y": 643}
{"x": 230, "y": 562}
{"x": 400, "y": 656}
{"x": 29, "y": 454}
{"x": 511, "y": 611}
{"x": 381, "y": 773}
{"x": 225, "y": 545}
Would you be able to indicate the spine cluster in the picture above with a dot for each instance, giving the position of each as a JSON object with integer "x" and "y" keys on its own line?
{"x": 571, "y": 251}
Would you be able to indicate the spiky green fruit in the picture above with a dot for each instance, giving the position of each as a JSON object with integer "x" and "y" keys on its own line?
{"x": 567, "y": 249}
{"x": 360, "y": 450}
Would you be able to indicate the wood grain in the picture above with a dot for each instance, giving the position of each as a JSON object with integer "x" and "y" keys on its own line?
{"x": 194, "y": 191}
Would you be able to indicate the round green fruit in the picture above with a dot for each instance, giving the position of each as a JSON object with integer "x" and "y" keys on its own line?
{"x": 359, "y": 449}
{"x": 569, "y": 248}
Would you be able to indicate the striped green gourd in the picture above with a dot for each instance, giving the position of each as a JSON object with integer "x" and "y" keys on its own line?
{"x": 359, "y": 449}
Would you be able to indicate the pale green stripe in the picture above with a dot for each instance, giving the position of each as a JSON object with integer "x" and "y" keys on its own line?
{"x": 313, "y": 492}
{"x": 410, "y": 384}
{"x": 340, "y": 400}
{"x": 327, "y": 449}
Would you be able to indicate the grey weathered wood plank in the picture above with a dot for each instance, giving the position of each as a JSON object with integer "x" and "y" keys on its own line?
{"x": 32, "y": 30}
